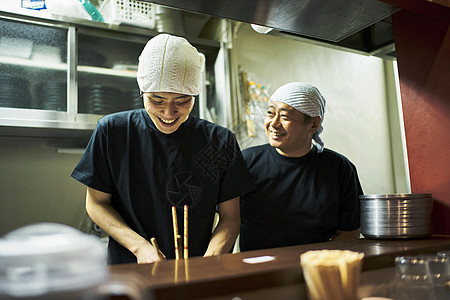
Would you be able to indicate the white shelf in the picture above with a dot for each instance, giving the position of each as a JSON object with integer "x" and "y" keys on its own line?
{"x": 63, "y": 67}
{"x": 9, "y": 60}
{"x": 105, "y": 71}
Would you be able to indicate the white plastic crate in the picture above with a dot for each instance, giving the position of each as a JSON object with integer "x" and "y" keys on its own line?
{"x": 129, "y": 12}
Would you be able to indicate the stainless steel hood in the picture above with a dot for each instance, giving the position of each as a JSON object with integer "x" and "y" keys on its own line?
{"x": 361, "y": 25}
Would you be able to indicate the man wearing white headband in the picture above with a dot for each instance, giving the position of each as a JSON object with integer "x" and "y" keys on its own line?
{"x": 305, "y": 193}
{"x": 141, "y": 163}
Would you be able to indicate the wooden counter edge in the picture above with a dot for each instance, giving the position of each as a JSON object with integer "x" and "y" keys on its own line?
{"x": 378, "y": 254}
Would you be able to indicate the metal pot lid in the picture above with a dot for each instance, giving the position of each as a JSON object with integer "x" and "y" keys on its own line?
{"x": 393, "y": 196}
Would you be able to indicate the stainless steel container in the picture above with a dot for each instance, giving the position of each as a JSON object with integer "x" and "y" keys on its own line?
{"x": 396, "y": 216}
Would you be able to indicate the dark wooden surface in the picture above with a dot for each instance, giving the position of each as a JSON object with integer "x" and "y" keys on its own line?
{"x": 210, "y": 277}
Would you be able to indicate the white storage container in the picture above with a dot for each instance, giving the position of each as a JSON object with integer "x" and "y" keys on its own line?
{"x": 132, "y": 12}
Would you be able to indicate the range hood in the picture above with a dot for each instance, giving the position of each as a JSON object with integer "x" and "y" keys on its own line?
{"x": 358, "y": 25}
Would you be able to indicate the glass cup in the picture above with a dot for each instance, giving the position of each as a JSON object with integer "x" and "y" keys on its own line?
{"x": 445, "y": 253}
{"x": 413, "y": 280}
{"x": 439, "y": 268}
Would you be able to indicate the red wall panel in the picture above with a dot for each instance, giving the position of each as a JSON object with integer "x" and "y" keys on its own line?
{"x": 423, "y": 55}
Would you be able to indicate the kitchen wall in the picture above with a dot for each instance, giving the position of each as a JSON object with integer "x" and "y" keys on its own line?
{"x": 361, "y": 119}
{"x": 35, "y": 186}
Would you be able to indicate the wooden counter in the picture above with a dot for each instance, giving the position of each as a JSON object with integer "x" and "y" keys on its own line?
{"x": 223, "y": 276}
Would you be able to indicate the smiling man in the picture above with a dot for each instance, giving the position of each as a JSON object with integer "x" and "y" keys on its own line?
{"x": 168, "y": 110}
{"x": 140, "y": 163}
{"x": 304, "y": 193}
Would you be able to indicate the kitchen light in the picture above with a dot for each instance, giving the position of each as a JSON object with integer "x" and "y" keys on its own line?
{"x": 261, "y": 29}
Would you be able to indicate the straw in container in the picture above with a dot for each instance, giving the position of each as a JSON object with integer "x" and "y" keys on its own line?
{"x": 332, "y": 274}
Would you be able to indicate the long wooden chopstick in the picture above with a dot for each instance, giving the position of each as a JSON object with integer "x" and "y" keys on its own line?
{"x": 155, "y": 244}
{"x": 186, "y": 232}
{"x": 180, "y": 245}
{"x": 175, "y": 232}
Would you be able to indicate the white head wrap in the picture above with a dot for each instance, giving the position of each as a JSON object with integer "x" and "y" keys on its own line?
{"x": 306, "y": 99}
{"x": 170, "y": 64}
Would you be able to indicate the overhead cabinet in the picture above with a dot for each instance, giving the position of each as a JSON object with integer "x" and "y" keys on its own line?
{"x": 56, "y": 74}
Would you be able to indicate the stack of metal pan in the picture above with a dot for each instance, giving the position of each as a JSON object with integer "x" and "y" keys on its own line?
{"x": 104, "y": 99}
{"x": 396, "y": 216}
{"x": 132, "y": 99}
{"x": 52, "y": 95}
{"x": 14, "y": 91}
{"x": 99, "y": 99}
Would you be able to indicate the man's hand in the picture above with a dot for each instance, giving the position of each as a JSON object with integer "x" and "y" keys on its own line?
{"x": 99, "y": 208}
{"x": 146, "y": 254}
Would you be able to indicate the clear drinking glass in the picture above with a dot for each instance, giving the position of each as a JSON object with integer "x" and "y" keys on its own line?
{"x": 439, "y": 268}
{"x": 445, "y": 253}
{"x": 413, "y": 280}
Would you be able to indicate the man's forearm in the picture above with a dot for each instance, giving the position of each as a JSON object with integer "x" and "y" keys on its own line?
{"x": 107, "y": 218}
{"x": 224, "y": 237}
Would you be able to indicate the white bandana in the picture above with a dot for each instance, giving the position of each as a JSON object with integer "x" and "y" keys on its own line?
{"x": 306, "y": 99}
{"x": 170, "y": 64}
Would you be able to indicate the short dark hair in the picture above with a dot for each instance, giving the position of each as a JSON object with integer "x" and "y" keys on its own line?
{"x": 307, "y": 119}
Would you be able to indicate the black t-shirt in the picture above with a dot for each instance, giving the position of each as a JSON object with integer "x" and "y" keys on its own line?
{"x": 298, "y": 200}
{"x": 147, "y": 172}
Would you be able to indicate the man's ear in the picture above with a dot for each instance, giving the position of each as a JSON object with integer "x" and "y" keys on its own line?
{"x": 192, "y": 104}
{"x": 315, "y": 124}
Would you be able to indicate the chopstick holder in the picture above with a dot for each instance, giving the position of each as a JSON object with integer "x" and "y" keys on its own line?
{"x": 331, "y": 274}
